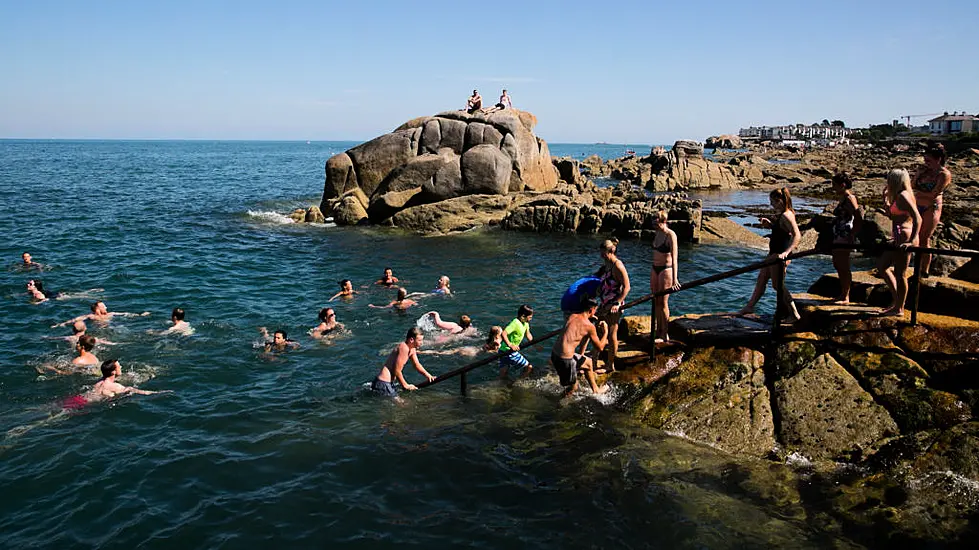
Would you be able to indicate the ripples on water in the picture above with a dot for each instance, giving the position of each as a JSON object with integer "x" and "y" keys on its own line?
{"x": 290, "y": 448}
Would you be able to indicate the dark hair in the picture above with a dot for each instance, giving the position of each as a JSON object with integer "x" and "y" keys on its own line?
{"x": 413, "y": 333}
{"x": 178, "y": 314}
{"x": 389, "y": 269}
{"x": 108, "y": 367}
{"x": 94, "y": 306}
{"x": 525, "y": 311}
{"x": 937, "y": 151}
{"x": 324, "y": 313}
{"x": 282, "y": 332}
{"x": 39, "y": 286}
{"x": 343, "y": 282}
{"x": 588, "y": 302}
{"x": 782, "y": 194}
{"x": 465, "y": 322}
{"x": 402, "y": 293}
{"x": 87, "y": 342}
{"x": 844, "y": 179}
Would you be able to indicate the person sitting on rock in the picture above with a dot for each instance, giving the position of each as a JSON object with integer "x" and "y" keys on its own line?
{"x": 503, "y": 104}
{"x": 475, "y": 103}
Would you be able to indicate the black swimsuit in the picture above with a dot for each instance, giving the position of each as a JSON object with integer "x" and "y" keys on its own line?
{"x": 665, "y": 248}
{"x": 780, "y": 240}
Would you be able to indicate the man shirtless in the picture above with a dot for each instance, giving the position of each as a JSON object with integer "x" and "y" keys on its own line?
{"x": 107, "y": 387}
{"x": 280, "y": 341}
{"x": 464, "y": 324}
{"x": 101, "y": 314}
{"x": 85, "y": 345}
{"x": 568, "y": 352}
{"x": 395, "y": 364}
{"x": 475, "y": 103}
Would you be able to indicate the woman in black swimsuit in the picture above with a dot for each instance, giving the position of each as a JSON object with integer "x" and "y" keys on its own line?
{"x": 846, "y": 221}
{"x": 784, "y": 238}
{"x": 664, "y": 275}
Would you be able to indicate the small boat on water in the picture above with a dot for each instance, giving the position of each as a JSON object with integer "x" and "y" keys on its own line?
{"x": 630, "y": 152}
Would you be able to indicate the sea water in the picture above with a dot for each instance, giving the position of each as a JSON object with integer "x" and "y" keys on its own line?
{"x": 255, "y": 449}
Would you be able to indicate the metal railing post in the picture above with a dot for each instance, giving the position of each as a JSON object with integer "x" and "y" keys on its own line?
{"x": 652, "y": 330}
{"x": 916, "y": 279}
{"x": 778, "y": 305}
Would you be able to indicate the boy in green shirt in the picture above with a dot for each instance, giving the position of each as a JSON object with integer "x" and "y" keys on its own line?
{"x": 513, "y": 335}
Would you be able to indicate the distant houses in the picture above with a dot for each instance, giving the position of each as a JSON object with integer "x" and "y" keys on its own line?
{"x": 795, "y": 132}
{"x": 955, "y": 123}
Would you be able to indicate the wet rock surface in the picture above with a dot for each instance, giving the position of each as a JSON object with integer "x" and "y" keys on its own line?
{"x": 879, "y": 413}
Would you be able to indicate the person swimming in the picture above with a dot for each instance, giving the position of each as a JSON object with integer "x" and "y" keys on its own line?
{"x": 36, "y": 289}
{"x": 328, "y": 324}
{"x": 402, "y": 302}
{"x": 280, "y": 341}
{"x": 388, "y": 279}
{"x": 101, "y": 314}
{"x": 107, "y": 387}
{"x": 85, "y": 345}
{"x": 442, "y": 286}
{"x": 464, "y": 324}
{"x": 346, "y": 290}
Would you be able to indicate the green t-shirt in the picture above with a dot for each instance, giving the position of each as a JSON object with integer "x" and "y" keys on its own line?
{"x": 514, "y": 333}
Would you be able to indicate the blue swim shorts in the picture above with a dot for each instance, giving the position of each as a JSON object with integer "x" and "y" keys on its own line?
{"x": 381, "y": 387}
{"x": 514, "y": 360}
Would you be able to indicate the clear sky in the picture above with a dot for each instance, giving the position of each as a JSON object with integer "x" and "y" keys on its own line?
{"x": 622, "y": 72}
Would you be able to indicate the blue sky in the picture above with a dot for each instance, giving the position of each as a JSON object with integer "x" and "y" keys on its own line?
{"x": 626, "y": 72}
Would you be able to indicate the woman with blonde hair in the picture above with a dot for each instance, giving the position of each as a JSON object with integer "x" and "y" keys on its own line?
{"x": 929, "y": 183}
{"x": 905, "y": 224}
{"x": 783, "y": 240}
{"x": 664, "y": 274}
{"x": 612, "y": 290}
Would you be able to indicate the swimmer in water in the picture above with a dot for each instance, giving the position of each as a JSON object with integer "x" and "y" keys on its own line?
{"x": 101, "y": 314}
{"x": 36, "y": 289}
{"x": 28, "y": 263}
{"x": 442, "y": 286}
{"x": 464, "y": 324}
{"x": 78, "y": 329}
{"x": 395, "y": 363}
{"x": 180, "y": 326}
{"x": 346, "y": 290}
{"x": 86, "y": 358}
{"x": 107, "y": 387}
{"x": 280, "y": 341}
{"x": 388, "y": 279}
{"x": 402, "y": 302}
{"x": 328, "y": 324}
{"x": 492, "y": 345}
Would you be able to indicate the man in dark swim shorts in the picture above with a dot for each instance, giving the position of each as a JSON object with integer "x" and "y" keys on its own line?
{"x": 565, "y": 356}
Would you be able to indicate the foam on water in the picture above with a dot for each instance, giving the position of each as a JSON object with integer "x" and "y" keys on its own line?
{"x": 271, "y": 217}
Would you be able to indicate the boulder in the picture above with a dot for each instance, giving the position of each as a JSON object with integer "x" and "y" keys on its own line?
{"x": 451, "y": 154}
{"x": 314, "y": 215}
{"x": 350, "y": 210}
{"x": 826, "y": 414}
{"x": 569, "y": 170}
{"x": 374, "y": 160}
{"x": 688, "y": 147}
{"x": 726, "y": 141}
{"x": 453, "y": 215}
{"x": 485, "y": 171}
{"x": 684, "y": 167}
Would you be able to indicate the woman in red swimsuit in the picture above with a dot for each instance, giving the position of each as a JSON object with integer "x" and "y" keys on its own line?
{"x": 905, "y": 225}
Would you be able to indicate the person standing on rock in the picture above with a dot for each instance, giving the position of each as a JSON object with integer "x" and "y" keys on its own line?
{"x": 475, "y": 103}
{"x": 612, "y": 292}
{"x": 664, "y": 274}
{"x": 929, "y": 183}
{"x": 783, "y": 240}
{"x": 905, "y": 227}
{"x": 846, "y": 221}
{"x": 567, "y": 355}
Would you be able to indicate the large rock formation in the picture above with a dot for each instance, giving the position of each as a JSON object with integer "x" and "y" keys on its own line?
{"x": 432, "y": 159}
{"x": 726, "y": 141}
{"x": 683, "y": 167}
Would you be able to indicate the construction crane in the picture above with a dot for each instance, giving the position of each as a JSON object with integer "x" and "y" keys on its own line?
{"x": 907, "y": 118}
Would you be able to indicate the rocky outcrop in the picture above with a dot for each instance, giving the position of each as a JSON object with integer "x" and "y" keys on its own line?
{"x": 682, "y": 167}
{"x": 622, "y": 212}
{"x": 432, "y": 159}
{"x": 726, "y": 141}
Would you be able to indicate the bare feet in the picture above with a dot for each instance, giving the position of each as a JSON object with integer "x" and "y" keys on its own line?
{"x": 842, "y": 300}
{"x": 892, "y": 312}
